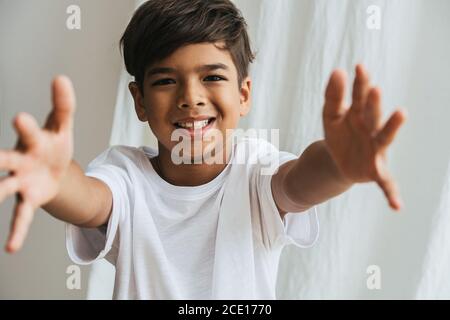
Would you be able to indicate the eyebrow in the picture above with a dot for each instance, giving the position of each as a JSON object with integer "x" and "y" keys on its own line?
{"x": 205, "y": 67}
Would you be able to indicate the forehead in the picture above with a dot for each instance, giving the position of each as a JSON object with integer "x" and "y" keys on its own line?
{"x": 196, "y": 58}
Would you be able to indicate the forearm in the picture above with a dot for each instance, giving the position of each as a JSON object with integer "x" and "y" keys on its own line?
{"x": 314, "y": 177}
{"x": 81, "y": 200}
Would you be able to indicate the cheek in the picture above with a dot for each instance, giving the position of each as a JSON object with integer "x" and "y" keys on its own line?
{"x": 156, "y": 107}
{"x": 228, "y": 103}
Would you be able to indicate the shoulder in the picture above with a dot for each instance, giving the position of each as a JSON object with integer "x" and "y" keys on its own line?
{"x": 259, "y": 154}
{"x": 120, "y": 155}
{"x": 254, "y": 148}
{"x": 119, "y": 164}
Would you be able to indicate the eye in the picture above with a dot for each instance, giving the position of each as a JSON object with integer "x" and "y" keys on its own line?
{"x": 164, "y": 81}
{"x": 215, "y": 77}
{"x": 161, "y": 82}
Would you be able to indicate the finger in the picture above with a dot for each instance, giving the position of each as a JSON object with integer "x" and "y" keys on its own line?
{"x": 334, "y": 108}
{"x": 372, "y": 111}
{"x": 23, "y": 216}
{"x": 10, "y": 160}
{"x": 390, "y": 190}
{"x": 27, "y": 128}
{"x": 8, "y": 186}
{"x": 63, "y": 96}
{"x": 387, "y": 134}
{"x": 361, "y": 87}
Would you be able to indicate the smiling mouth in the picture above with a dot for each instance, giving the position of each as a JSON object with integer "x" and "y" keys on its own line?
{"x": 191, "y": 127}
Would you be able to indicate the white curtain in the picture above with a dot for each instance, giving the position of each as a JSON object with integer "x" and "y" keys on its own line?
{"x": 434, "y": 280}
{"x": 298, "y": 44}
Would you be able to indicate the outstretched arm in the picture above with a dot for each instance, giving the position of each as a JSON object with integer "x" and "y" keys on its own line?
{"x": 353, "y": 151}
{"x": 42, "y": 174}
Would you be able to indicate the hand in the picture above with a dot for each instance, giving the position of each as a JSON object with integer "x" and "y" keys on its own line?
{"x": 355, "y": 136}
{"x": 39, "y": 161}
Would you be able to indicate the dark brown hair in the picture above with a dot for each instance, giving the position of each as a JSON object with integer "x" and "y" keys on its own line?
{"x": 160, "y": 27}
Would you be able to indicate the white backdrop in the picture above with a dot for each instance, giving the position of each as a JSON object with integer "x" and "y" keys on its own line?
{"x": 298, "y": 44}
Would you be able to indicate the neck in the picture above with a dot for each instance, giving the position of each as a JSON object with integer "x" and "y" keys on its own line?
{"x": 186, "y": 174}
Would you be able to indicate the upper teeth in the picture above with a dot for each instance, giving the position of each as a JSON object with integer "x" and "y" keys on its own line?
{"x": 195, "y": 124}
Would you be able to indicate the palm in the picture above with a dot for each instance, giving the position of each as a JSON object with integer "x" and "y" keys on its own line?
{"x": 355, "y": 136}
{"x": 48, "y": 157}
{"x": 354, "y": 149}
{"x": 39, "y": 160}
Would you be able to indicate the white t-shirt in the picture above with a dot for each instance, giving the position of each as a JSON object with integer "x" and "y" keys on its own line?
{"x": 219, "y": 240}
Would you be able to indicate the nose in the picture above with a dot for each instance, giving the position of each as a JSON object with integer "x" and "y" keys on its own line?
{"x": 190, "y": 96}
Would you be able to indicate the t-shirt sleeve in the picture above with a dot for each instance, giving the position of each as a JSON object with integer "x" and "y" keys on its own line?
{"x": 298, "y": 228}
{"x": 86, "y": 245}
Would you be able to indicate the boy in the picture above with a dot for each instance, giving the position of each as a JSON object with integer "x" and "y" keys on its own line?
{"x": 195, "y": 229}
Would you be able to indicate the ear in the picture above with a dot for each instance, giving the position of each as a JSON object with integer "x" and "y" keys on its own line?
{"x": 245, "y": 91}
{"x": 138, "y": 101}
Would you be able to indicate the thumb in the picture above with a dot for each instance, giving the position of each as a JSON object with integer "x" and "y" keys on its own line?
{"x": 63, "y": 99}
{"x": 386, "y": 182}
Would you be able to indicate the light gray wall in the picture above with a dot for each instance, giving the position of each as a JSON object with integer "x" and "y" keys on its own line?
{"x": 35, "y": 46}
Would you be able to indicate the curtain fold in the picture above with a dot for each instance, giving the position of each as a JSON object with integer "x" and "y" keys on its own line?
{"x": 432, "y": 284}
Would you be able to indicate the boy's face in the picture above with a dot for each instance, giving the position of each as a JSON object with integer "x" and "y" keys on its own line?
{"x": 189, "y": 91}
